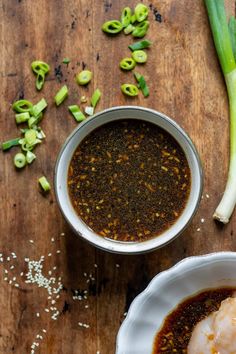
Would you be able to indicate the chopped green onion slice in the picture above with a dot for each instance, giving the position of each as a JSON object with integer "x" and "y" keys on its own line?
{"x": 232, "y": 32}
{"x": 142, "y": 84}
{"x": 140, "y": 45}
{"x": 95, "y": 97}
{"x": 22, "y": 106}
{"x": 139, "y": 56}
{"x": 38, "y": 107}
{"x": 112, "y": 27}
{"x": 133, "y": 19}
{"x": 30, "y": 157}
{"x": 129, "y": 29}
{"x": 40, "y": 134}
{"x": 141, "y": 29}
{"x": 141, "y": 12}
{"x": 127, "y": 64}
{"x": 61, "y": 95}
{"x": 40, "y": 66}
{"x": 33, "y": 121}
{"x": 10, "y": 143}
{"x": 84, "y": 77}
{"x": 129, "y": 90}
{"x": 76, "y": 112}
{"x": 126, "y": 16}
{"x": 22, "y": 117}
{"x": 19, "y": 160}
{"x": 66, "y": 61}
{"x": 44, "y": 184}
{"x": 89, "y": 110}
{"x": 30, "y": 137}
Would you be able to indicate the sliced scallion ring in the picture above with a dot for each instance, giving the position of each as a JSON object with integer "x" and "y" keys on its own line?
{"x": 22, "y": 106}
{"x": 126, "y": 16}
{"x": 141, "y": 12}
{"x": 84, "y": 77}
{"x": 127, "y": 64}
{"x": 22, "y": 117}
{"x": 129, "y": 90}
{"x": 141, "y": 29}
{"x": 112, "y": 27}
{"x": 19, "y": 160}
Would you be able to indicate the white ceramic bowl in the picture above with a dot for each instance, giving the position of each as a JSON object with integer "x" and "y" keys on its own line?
{"x": 166, "y": 291}
{"x": 64, "y": 158}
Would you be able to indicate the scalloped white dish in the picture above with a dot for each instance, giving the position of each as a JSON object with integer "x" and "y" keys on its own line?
{"x": 169, "y": 288}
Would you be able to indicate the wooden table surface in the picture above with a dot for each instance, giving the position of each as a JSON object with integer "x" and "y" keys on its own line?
{"x": 185, "y": 82}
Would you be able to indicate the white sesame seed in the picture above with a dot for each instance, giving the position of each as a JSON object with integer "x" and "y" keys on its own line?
{"x": 62, "y": 234}
{"x": 54, "y": 268}
{"x": 207, "y": 196}
{"x": 17, "y": 285}
{"x": 21, "y": 274}
{"x": 6, "y": 271}
{"x": 58, "y": 251}
{"x": 117, "y": 265}
{"x": 46, "y": 310}
{"x": 31, "y": 241}
{"x": 98, "y": 352}
{"x": 8, "y": 259}
{"x": 95, "y": 265}
{"x": 49, "y": 254}
{"x": 38, "y": 314}
{"x": 202, "y": 220}
{"x": 44, "y": 330}
{"x": 53, "y": 302}
{"x": 52, "y": 239}
{"x": 10, "y": 281}
{"x": 6, "y": 278}
{"x": 1, "y": 259}
{"x": 198, "y": 229}
{"x": 86, "y": 306}
{"x": 125, "y": 314}
{"x": 14, "y": 279}
{"x": 12, "y": 267}
{"x": 26, "y": 260}
{"x": 85, "y": 274}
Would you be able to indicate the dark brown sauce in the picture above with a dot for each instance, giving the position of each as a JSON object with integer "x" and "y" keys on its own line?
{"x": 129, "y": 180}
{"x": 178, "y": 326}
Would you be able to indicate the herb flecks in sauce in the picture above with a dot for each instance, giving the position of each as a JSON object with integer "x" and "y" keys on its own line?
{"x": 129, "y": 180}
{"x": 178, "y": 326}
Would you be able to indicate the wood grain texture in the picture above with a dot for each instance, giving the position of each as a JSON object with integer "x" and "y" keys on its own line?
{"x": 185, "y": 82}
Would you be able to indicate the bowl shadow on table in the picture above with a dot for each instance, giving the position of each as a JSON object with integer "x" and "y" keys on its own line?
{"x": 118, "y": 275}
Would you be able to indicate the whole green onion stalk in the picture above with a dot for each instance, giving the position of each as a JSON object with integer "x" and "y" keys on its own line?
{"x": 223, "y": 44}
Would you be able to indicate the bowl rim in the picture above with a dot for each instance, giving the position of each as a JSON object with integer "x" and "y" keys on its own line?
{"x": 163, "y": 277}
{"x": 192, "y": 147}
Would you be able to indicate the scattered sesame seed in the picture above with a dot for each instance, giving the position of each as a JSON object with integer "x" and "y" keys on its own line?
{"x": 198, "y": 229}
{"x": 21, "y": 274}
{"x": 53, "y": 302}
{"x": 85, "y": 274}
{"x": 12, "y": 267}
{"x": 31, "y": 241}
{"x": 54, "y": 268}
{"x": 14, "y": 279}
{"x": 6, "y": 271}
{"x": 125, "y": 314}
{"x": 202, "y": 220}
{"x": 38, "y": 314}
{"x": 95, "y": 265}
{"x": 49, "y": 254}
{"x": 13, "y": 255}
{"x": 6, "y": 278}
{"x": 117, "y": 265}
{"x": 26, "y": 260}
{"x": 58, "y": 251}
{"x": 86, "y": 306}
{"x": 10, "y": 281}
{"x": 207, "y": 196}
{"x": 46, "y": 310}
{"x": 52, "y": 239}
{"x": 62, "y": 234}
{"x": 44, "y": 330}
{"x": 8, "y": 259}
{"x": 1, "y": 259}
{"x": 17, "y": 285}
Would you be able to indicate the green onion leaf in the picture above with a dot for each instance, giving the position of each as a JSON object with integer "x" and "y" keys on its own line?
{"x": 140, "y": 45}
{"x": 232, "y": 32}
{"x": 6, "y": 145}
{"x": 76, "y": 112}
{"x": 22, "y": 117}
{"x": 142, "y": 84}
{"x": 95, "y": 98}
{"x": 44, "y": 184}
{"x": 38, "y": 107}
{"x": 61, "y": 95}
